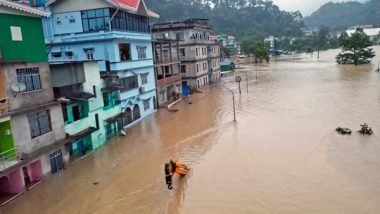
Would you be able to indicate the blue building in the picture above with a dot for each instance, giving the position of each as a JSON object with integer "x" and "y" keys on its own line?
{"x": 114, "y": 32}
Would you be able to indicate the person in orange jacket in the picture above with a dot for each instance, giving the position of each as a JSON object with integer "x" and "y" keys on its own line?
{"x": 174, "y": 167}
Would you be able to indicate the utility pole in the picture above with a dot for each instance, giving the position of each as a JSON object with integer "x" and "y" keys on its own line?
{"x": 233, "y": 102}
{"x": 246, "y": 78}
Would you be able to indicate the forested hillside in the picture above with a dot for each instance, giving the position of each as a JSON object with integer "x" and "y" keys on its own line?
{"x": 241, "y": 18}
{"x": 343, "y": 15}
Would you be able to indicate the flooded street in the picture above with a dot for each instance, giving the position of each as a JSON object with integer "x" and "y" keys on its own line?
{"x": 281, "y": 156}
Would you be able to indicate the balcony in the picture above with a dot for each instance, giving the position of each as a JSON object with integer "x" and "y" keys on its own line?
{"x": 11, "y": 157}
{"x": 162, "y": 82}
{"x": 5, "y": 105}
{"x": 71, "y": 94}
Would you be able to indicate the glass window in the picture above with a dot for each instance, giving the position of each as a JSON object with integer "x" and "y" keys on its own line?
{"x": 95, "y": 20}
{"x": 129, "y": 83}
{"x": 182, "y": 51}
{"x": 39, "y": 123}
{"x": 141, "y": 51}
{"x": 30, "y": 77}
{"x": 91, "y": 14}
{"x": 146, "y": 104}
{"x": 144, "y": 78}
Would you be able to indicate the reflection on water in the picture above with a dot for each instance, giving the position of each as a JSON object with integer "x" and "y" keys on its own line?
{"x": 282, "y": 156}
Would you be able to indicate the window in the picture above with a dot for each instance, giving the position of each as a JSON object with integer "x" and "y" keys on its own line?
{"x": 165, "y": 53}
{"x": 141, "y": 52}
{"x": 129, "y": 22}
{"x": 182, "y": 52}
{"x": 89, "y": 53}
{"x": 183, "y": 68}
{"x": 129, "y": 83}
{"x": 56, "y": 54}
{"x": 39, "y": 123}
{"x": 106, "y": 100}
{"x": 128, "y": 116}
{"x": 197, "y": 68}
{"x": 30, "y": 77}
{"x": 124, "y": 50}
{"x": 144, "y": 79}
{"x": 16, "y": 33}
{"x": 95, "y": 20}
{"x": 196, "y": 51}
{"x": 146, "y": 104}
{"x": 136, "y": 112}
{"x": 69, "y": 54}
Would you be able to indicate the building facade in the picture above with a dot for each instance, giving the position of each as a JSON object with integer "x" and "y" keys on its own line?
{"x": 196, "y": 53}
{"x": 167, "y": 68}
{"x": 115, "y": 33}
{"x": 90, "y": 111}
{"x": 32, "y": 135}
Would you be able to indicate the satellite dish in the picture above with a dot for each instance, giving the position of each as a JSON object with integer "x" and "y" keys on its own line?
{"x": 18, "y": 88}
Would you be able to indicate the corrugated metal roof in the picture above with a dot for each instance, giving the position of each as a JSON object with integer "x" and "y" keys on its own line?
{"x": 24, "y": 8}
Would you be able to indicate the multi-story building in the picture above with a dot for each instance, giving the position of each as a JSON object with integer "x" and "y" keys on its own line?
{"x": 167, "y": 68}
{"x": 32, "y": 134}
{"x": 115, "y": 33}
{"x": 194, "y": 50}
{"x": 90, "y": 111}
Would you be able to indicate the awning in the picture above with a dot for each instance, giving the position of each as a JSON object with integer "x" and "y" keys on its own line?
{"x": 82, "y": 96}
{"x": 111, "y": 88}
{"x": 82, "y": 134}
{"x": 114, "y": 118}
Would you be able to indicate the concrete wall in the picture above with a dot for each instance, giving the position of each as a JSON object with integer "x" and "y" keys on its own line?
{"x": 73, "y": 5}
{"x": 62, "y": 25}
{"x": 22, "y": 135}
{"x": 30, "y": 98}
{"x": 67, "y": 74}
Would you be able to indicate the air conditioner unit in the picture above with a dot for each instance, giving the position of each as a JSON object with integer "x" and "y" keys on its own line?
{"x": 142, "y": 89}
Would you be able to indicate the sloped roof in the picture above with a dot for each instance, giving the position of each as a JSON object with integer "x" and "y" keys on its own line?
{"x": 24, "y": 8}
{"x": 129, "y": 5}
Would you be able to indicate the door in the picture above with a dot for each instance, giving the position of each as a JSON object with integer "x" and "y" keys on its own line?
{"x": 27, "y": 180}
{"x": 76, "y": 113}
{"x": 56, "y": 162}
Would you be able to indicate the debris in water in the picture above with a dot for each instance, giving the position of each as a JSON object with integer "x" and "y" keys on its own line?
{"x": 365, "y": 129}
{"x": 96, "y": 182}
{"x": 343, "y": 131}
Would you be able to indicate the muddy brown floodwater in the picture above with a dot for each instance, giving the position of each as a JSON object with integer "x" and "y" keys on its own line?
{"x": 282, "y": 156}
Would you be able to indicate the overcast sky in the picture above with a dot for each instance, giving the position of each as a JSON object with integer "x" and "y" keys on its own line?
{"x": 307, "y": 7}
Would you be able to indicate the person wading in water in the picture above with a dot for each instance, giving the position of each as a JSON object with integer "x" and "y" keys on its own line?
{"x": 174, "y": 167}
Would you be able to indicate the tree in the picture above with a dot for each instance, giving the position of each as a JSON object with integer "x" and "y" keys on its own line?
{"x": 260, "y": 50}
{"x": 355, "y": 49}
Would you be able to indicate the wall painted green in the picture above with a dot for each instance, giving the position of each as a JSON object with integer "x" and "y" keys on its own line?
{"x": 95, "y": 107}
{"x": 6, "y": 141}
{"x": 32, "y": 47}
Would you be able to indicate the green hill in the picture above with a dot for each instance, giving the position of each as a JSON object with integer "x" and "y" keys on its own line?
{"x": 240, "y": 18}
{"x": 343, "y": 15}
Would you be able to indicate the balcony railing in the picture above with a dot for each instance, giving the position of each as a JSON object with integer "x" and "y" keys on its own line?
{"x": 169, "y": 80}
{"x": 11, "y": 157}
{"x": 5, "y": 105}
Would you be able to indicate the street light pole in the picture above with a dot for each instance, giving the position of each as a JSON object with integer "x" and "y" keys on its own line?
{"x": 233, "y": 102}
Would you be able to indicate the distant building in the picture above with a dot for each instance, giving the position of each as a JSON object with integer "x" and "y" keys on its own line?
{"x": 229, "y": 42}
{"x": 32, "y": 134}
{"x": 198, "y": 55}
{"x": 373, "y": 33}
{"x": 167, "y": 67}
